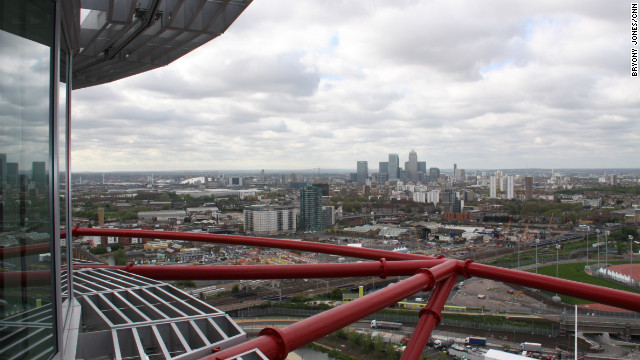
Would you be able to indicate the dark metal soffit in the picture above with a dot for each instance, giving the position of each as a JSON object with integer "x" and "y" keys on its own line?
{"x": 120, "y": 38}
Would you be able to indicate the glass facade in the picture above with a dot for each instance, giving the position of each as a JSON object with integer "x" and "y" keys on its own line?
{"x": 28, "y": 109}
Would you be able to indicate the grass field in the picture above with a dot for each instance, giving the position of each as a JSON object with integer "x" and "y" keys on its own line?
{"x": 576, "y": 272}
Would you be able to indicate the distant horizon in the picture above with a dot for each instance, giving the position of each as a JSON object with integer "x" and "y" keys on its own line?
{"x": 336, "y": 170}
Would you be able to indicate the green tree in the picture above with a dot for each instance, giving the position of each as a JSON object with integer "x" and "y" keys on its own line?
{"x": 235, "y": 289}
{"x": 119, "y": 257}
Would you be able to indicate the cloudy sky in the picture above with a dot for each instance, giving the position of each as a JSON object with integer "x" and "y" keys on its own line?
{"x": 323, "y": 84}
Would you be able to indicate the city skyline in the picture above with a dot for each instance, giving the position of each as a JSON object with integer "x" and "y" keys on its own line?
{"x": 316, "y": 85}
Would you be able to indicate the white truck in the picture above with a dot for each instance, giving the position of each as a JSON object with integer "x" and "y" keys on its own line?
{"x": 531, "y": 347}
{"x": 376, "y": 324}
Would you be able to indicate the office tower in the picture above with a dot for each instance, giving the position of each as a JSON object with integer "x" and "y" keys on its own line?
{"x": 324, "y": 187}
{"x": 383, "y": 167}
{"x": 311, "y": 209}
{"x": 394, "y": 166}
{"x": 403, "y": 176}
{"x": 493, "y": 187}
{"x": 328, "y": 217}
{"x": 422, "y": 167}
{"x": 12, "y": 174}
{"x": 509, "y": 186}
{"x": 3, "y": 169}
{"x": 528, "y": 188}
{"x": 459, "y": 175}
{"x": 412, "y": 166}
{"x": 363, "y": 172}
{"x": 613, "y": 179}
{"x": 450, "y": 201}
{"x": 455, "y": 169}
{"x": 39, "y": 176}
{"x": 434, "y": 174}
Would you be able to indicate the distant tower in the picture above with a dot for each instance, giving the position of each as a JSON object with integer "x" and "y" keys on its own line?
{"x": 455, "y": 171}
{"x": 509, "y": 181}
{"x": 434, "y": 174}
{"x": 311, "y": 209}
{"x": 394, "y": 166}
{"x": 528, "y": 188}
{"x": 39, "y": 176}
{"x": 493, "y": 187}
{"x": 363, "y": 171}
{"x": 413, "y": 166}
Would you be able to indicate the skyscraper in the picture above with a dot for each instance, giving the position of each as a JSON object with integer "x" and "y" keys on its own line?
{"x": 311, "y": 209}
{"x": 422, "y": 166}
{"x": 394, "y": 166}
{"x": 413, "y": 166}
{"x": 509, "y": 185}
{"x": 434, "y": 174}
{"x": 363, "y": 171}
{"x": 528, "y": 188}
{"x": 383, "y": 167}
{"x": 493, "y": 187}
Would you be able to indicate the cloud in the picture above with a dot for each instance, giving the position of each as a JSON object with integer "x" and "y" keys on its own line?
{"x": 496, "y": 84}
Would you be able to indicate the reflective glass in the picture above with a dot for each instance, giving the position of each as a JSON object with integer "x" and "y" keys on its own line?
{"x": 27, "y": 305}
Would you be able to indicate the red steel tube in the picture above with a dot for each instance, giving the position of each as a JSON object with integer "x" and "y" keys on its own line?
{"x": 363, "y": 253}
{"x": 16, "y": 251}
{"x": 380, "y": 268}
{"x": 430, "y": 316}
{"x": 25, "y": 278}
{"x": 282, "y": 341}
{"x": 623, "y": 299}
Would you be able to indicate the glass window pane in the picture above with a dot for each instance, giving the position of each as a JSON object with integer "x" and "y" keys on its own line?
{"x": 26, "y": 301}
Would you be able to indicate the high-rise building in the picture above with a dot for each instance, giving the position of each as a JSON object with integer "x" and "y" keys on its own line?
{"x": 311, "y": 209}
{"x": 528, "y": 188}
{"x": 363, "y": 172}
{"x": 263, "y": 220}
{"x": 412, "y": 166}
{"x": 3, "y": 169}
{"x": 613, "y": 179}
{"x": 39, "y": 175}
{"x": 328, "y": 217}
{"x": 500, "y": 180}
{"x": 394, "y": 166}
{"x": 422, "y": 167}
{"x": 455, "y": 169}
{"x": 509, "y": 186}
{"x": 434, "y": 174}
{"x": 493, "y": 187}
{"x": 383, "y": 167}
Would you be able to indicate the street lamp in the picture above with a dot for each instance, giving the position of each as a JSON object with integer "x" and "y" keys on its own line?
{"x": 537, "y": 242}
{"x": 631, "y": 258}
{"x": 606, "y": 252}
{"x": 588, "y": 230}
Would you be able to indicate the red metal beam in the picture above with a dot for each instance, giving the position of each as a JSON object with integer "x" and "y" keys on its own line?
{"x": 17, "y": 251}
{"x": 362, "y": 253}
{"x": 25, "y": 278}
{"x": 277, "y": 343}
{"x": 623, "y": 299}
{"x": 380, "y": 268}
{"x": 430, "y": 316}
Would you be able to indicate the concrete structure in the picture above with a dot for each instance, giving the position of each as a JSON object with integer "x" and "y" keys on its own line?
{"x": 265, "y": 220}
{"x": 528, "y": 188}
{"x": 509, "y": 187}
{"x": 493, "y": 187}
